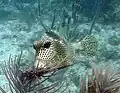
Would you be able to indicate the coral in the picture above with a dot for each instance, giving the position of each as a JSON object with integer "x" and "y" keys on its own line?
{"x": 101, "y": 81}
{"x": 89, "y": 7}
{"x": 2, "y": 90}
{"x": 1, "y": 3}
{"x": 30, "y": 80}
{"x": 68, "y": 31}
{"x": 89, "y": 45}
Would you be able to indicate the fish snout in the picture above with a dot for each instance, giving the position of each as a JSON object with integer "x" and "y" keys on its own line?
{"x": 37, "y": 45}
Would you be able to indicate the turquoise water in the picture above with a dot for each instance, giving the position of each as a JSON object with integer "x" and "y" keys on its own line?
{"x": 89, "y": 28}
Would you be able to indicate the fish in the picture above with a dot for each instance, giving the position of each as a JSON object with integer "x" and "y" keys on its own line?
{"x": 52, "y": 52}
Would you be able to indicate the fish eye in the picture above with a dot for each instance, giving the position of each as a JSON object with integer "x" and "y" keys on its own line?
{"x": 47, "y": 45}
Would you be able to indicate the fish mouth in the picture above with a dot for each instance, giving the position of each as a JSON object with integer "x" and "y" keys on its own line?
{"x": 39, "y": 64}
{"x": 42, "y": 64}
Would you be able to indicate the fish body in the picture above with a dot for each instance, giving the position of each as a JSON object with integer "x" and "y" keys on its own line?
{"x": 53, "y": 52}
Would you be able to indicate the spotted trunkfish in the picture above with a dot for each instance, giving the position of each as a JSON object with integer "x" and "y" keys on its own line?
{"x": 53, "y": 51}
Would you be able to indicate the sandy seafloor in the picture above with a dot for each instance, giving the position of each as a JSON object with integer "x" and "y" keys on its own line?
{"x": 16, "y": 36}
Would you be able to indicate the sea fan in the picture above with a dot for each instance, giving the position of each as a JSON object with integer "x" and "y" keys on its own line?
{"x": 2, "y": 90}
{"x": 65, "y": 30}
{"x": 28, "y": 81}
{"x": 101, "y": 81}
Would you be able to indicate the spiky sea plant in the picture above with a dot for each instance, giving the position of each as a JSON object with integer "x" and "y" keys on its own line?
{"x": 30, "y": 80}
{"x": 1, "y": 4}
{"x": 2, "y": 90}
{"x": 101, "y": 81}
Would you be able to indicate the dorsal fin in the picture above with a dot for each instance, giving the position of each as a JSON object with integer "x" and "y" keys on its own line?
{"x": 53, "y": 35}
